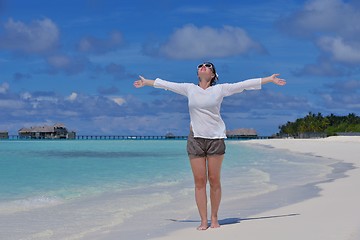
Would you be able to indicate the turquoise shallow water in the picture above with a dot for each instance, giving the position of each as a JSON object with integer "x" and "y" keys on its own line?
{"x": 97, "y": 185}
{"x": 71, "y": 169}
{"x": 68, "y": 169}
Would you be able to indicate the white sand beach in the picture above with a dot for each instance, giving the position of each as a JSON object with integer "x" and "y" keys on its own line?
{"x": 333, "y": 215}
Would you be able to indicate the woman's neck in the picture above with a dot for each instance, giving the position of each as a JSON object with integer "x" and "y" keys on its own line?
{"x": 204, "y": 84}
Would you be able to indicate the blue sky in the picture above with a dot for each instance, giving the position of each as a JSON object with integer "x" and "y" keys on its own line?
{"x": 74, "y": 62}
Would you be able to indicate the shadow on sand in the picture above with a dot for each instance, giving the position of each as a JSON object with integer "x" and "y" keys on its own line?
{"x": 229, "y": 221}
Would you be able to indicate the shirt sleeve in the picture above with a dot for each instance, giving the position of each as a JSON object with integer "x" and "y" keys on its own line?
{"x": 180, "y": 88}
{"x": 229, "y": 89}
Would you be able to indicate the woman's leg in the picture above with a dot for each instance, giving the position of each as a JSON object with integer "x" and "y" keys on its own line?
{"x": 214, "y": 172}
{"x": 198, "y": 166}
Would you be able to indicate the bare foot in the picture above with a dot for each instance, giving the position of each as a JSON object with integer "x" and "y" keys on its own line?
{"x": 214, "y": 223}
{"x": 203, "y": 227}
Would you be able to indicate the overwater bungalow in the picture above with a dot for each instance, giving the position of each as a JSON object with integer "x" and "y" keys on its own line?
{"x": 4, "y": 134}
{"x": 241, "y": 132}
{"x": 58, "y": 131}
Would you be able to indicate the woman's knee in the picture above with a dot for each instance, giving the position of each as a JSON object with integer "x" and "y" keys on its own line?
{"x": 214, "y": 182}
{"x": 200, "y": 182}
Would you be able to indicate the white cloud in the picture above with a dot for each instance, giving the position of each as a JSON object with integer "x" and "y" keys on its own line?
{"x": 321, "y": 14}
{"x": 73, "y": 96}
{"x": 342, "y": 95}
{"x": 49, "y": 99}
{"x": 199, "y": 9}
{"x": 118, "y": 100}
{"x": 191, "y": 42}
{"x": 59, "y": 61}
{"x": 4, "y": 88}
{"x": 26, "y": 96}
{"x": 37, "y": 37}
{"x": 324, "y": 16}
{"x": 323, "y": 67}
{"x": 140, "y": 125}
{"x": 69, "y": 64}
{"x": 332, "y": 26}
{"x": 96, "y": 45}
{"x": 68, "y": 113}
{"x": 340, "y": 50}
{"x": 11, "y": 104}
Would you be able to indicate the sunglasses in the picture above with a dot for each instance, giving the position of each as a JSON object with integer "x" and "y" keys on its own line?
{"x": 208, "y": 65}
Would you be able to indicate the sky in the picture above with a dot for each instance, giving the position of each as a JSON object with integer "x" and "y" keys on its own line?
{"x": 74, "y": 62}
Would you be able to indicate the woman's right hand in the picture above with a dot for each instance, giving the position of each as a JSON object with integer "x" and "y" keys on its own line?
{"x": 140, "y": 82}
{"x": 143, "y": 82}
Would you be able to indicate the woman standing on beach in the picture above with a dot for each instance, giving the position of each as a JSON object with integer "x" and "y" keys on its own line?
{"x": 205, "y": 144}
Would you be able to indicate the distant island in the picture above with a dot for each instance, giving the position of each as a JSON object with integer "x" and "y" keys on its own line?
{"x": 317, "y": 125}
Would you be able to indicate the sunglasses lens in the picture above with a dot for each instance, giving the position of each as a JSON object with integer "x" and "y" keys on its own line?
{"x": 208, "y": 65}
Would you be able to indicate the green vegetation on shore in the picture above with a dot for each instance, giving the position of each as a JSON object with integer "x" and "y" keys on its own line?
{"x": 316, "y": 123}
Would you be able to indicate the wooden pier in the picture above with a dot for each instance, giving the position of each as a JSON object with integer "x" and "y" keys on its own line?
{"x": 115, "y": 137}
{"x": 136, "y": 137}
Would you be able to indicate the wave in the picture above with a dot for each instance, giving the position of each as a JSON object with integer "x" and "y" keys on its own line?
{"x": 28, "y": 204}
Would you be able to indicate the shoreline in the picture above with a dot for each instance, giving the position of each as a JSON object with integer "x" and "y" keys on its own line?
{"x": 330, "y": 214}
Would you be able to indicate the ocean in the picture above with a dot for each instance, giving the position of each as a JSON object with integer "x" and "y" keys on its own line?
{"x": 103, "y": 189}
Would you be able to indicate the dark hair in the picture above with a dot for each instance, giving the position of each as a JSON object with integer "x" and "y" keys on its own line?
{"x": 215, "y": 78}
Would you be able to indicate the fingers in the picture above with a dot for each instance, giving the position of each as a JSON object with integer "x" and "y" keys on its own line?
{"x": 139, "y": 83}
{"x": 276, "y": 74}
{"x": 278, "y": 81}
{"x": 281, "y": 82}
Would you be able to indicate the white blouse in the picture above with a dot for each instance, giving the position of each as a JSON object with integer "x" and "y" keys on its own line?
{"x": 204, "y": 104}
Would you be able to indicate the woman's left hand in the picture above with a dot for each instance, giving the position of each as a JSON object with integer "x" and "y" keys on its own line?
{"x": 278, "y": 81}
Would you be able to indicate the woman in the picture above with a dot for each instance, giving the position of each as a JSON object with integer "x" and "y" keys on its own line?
{"x": 205, "y": 145}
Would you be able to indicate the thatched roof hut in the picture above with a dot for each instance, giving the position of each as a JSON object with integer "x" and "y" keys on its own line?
{"x": 4, "y": 134}
{"x": 57, "y": 131}
{"x": 241, "y": 132}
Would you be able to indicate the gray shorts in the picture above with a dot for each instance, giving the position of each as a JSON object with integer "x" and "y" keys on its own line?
{"x": 202, "y": 147}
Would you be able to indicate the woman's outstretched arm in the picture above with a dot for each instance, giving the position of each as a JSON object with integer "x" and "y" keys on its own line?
{"x": 180, "y": 88}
